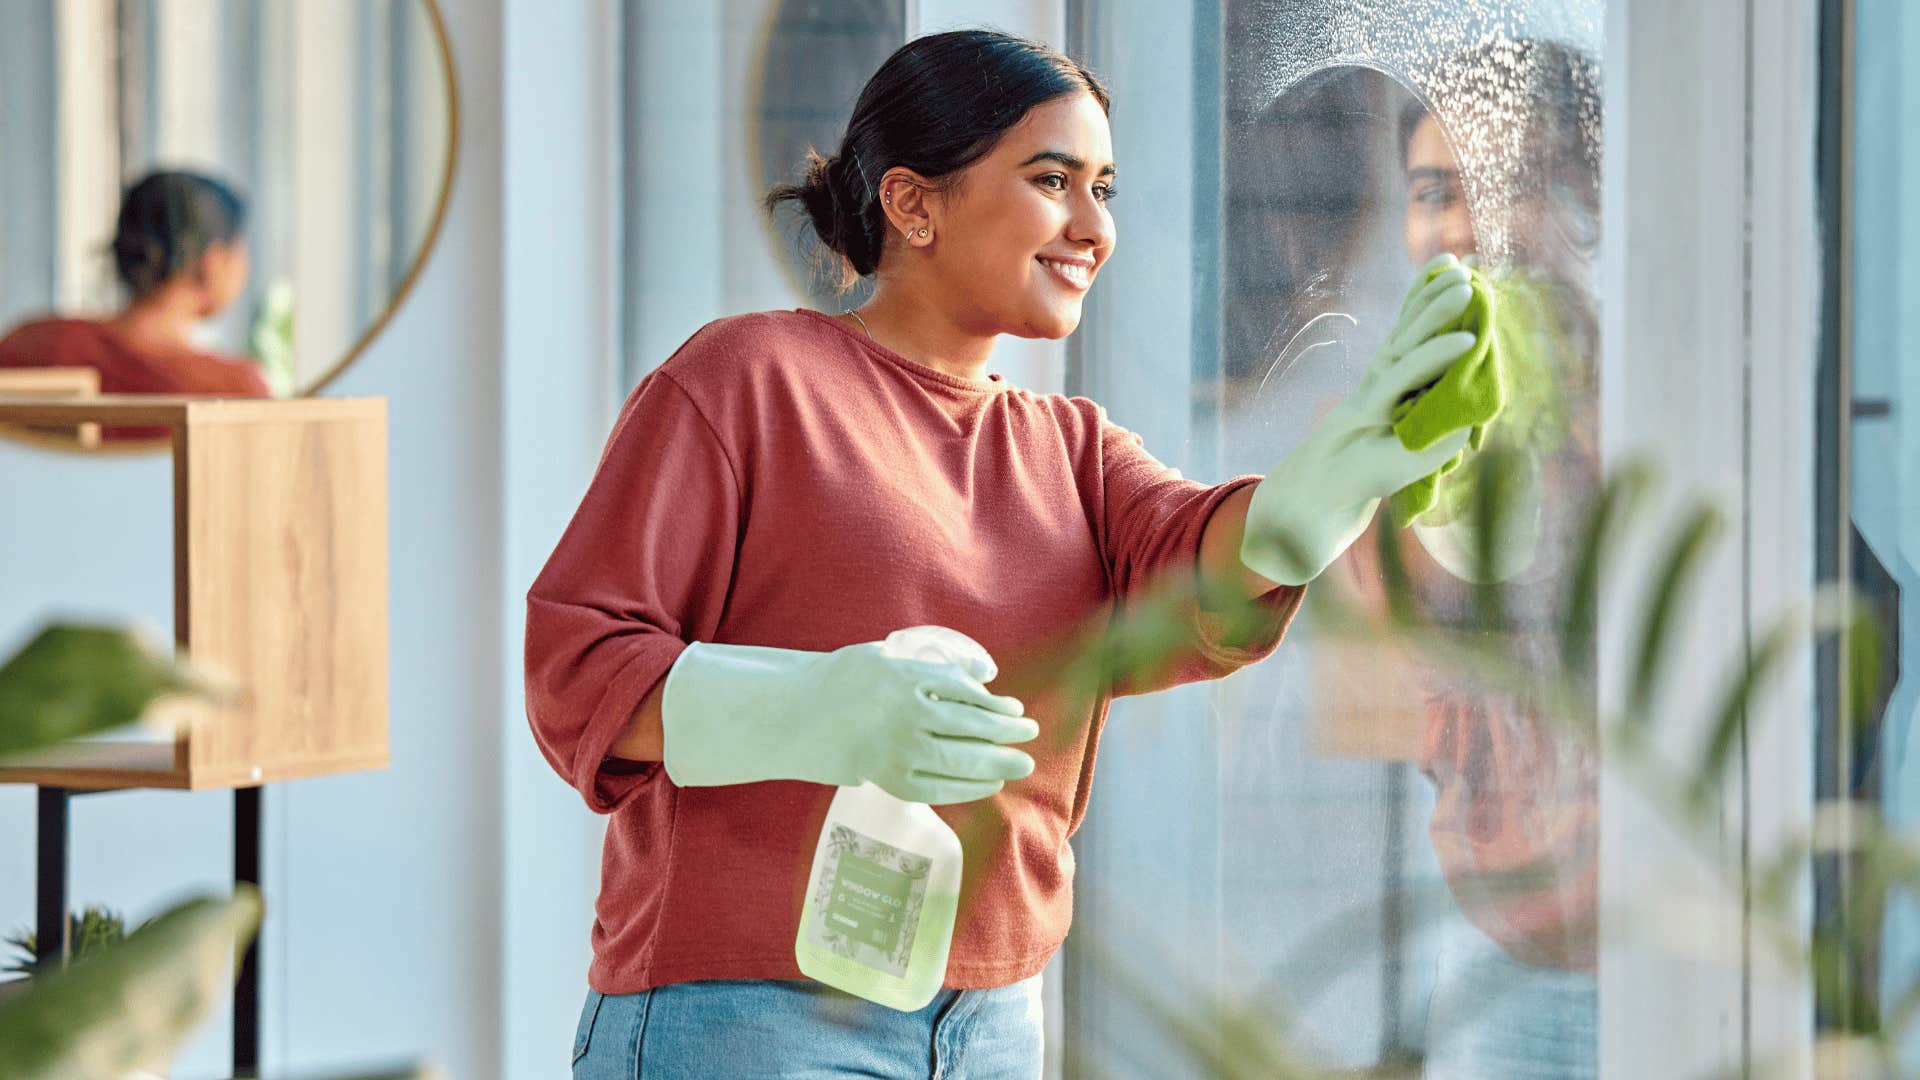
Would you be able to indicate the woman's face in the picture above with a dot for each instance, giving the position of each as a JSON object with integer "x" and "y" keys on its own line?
{"x": 1024, "y": 230}
{"x": 222, "y": 275}
{"x": 1437, "y": 218}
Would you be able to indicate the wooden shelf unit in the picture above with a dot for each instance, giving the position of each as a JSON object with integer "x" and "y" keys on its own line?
{"x": 56, "y": 382}
{"x": 280, "y": 586}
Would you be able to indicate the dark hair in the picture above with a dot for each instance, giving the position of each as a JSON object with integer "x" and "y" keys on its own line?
{"x": 167, "y": 221}
{"x": 937, "y": 105}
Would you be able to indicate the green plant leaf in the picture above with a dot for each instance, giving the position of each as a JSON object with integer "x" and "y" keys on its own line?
{"x": 71, "y": 681}
{"x": 1619, "y": 503}
{"x": 1679, "y": 569}
{"x": 1730, "y": 718}
{"x": 1494, "y": 499}
{"x": 1836, "y": 611}
{"x": 87, "y": 931}
{"x": 1863, "y": 641}
{"x": 133, "y": 1003}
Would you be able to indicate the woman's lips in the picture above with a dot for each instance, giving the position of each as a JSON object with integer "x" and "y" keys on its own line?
{"x": 1077, "y": 276}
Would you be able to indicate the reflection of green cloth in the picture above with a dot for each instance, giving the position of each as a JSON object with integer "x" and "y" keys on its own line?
{"x": 1469, "y": 395}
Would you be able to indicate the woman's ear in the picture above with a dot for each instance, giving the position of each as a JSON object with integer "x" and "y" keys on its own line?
{"x": 911, "y": 205}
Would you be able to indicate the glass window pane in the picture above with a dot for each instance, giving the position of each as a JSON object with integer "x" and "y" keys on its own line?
{"x": 1871, "y": 455}
{"x": 1384, "y": 860}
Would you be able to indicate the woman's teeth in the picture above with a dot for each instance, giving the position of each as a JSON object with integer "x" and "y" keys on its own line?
{"x": 1076, "y": 274}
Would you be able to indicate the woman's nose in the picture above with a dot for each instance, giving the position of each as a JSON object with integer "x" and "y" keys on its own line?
{"x": 1458, "y": 234}
{"x": 1090, "y": 222}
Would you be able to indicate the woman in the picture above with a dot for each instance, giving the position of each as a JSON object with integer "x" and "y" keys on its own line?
{"x": 180, "y": 249}
{"x": 790, "y": 487}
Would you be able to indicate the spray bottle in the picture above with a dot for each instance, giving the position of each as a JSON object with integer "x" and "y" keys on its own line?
{"x": 885, "y": 887}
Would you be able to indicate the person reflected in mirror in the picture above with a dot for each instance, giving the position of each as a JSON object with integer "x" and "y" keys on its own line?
{"x": 180, "y": 249}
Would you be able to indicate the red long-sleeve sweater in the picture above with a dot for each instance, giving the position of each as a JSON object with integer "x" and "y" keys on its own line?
{"x": 784, "y": 481}
{"x": 129, "y": 367}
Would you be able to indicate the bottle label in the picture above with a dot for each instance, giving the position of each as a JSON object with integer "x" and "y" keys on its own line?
{"x": 868, "y": 900}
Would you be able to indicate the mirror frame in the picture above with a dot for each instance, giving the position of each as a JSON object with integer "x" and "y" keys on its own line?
{"x": 801, "y": 279}
{"x": 450, "y": 79}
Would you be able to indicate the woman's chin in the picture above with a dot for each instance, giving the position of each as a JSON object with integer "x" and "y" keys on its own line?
{"x": 1055, "y": 323}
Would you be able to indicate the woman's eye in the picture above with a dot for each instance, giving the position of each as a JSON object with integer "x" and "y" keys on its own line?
{"x": 1061, "y": 182}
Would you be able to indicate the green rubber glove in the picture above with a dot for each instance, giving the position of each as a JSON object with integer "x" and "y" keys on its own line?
{"x": 1318, "y": 499}
{"x": 924, "y": 730}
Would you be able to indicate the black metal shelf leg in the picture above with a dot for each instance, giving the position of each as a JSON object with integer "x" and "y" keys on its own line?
{"x": 246, "y": 991}
{"x": 50, "y": 877}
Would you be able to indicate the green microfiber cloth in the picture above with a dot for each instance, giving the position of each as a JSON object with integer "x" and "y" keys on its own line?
{"x": 1533, "y": 423}
{"x": 1469, "y": 395}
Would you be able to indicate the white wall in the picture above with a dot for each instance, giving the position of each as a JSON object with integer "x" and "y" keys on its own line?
{"x": 560, "y": 394}
{"x": 384, "y": 891}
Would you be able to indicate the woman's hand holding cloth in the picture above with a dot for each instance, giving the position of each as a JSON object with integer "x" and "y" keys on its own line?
{"x": 1313, "y": 504}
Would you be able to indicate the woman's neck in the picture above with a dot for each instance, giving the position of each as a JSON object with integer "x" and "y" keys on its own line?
{"x": 909, "y": 323}
{"x": 166, "y": 316}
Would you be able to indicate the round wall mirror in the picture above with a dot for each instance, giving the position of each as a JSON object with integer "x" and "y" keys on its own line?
{"x": 813, "y": 60}
{"x": 223, "y": 197}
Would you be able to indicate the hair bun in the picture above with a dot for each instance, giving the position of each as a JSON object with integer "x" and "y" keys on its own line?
{"x": 834, "y": 196}
{"x": 167, "y": 221}
{"x": 141, "y": 262}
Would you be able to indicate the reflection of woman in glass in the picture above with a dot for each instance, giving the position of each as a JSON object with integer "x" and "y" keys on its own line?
{"x": 1515, "y": 821}
{"x": 181, "y": 251}
{"x": 703, "y": 656}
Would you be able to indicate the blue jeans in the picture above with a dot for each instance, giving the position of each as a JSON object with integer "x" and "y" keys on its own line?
{"x": 777, "y": 1028}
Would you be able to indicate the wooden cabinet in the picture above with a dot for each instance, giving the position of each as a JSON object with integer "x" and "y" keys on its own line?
{"x": 280, "y": 585}
{"x": 56, "y": 382}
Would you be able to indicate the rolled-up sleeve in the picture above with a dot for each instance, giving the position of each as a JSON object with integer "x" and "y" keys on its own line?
{"x": 642, "y": 569}
{"x": 1154, "y": 519}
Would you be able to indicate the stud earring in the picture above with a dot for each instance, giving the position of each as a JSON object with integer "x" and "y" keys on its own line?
{"x": 922, "y": 232}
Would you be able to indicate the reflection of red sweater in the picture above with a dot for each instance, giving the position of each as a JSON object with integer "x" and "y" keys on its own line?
{"x": 126, "y": 367}
{"x": 1516, "y": 821}
{"x": 1516, "y": 825}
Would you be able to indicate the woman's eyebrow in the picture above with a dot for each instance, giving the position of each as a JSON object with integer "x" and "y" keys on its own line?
{"x": 1428, "y": 172}
{"x": 1063, "y": 158}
